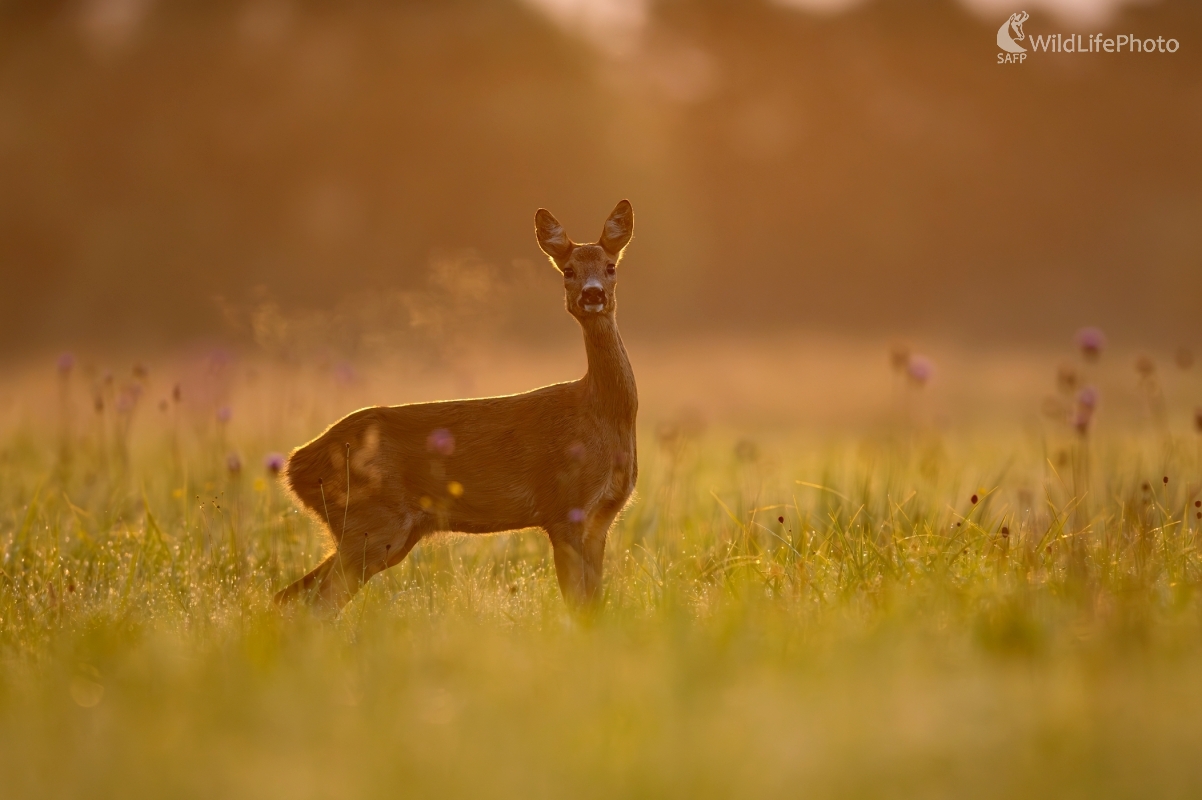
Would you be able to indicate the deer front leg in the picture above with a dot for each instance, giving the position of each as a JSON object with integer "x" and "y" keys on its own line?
{"x": 596, "y": 532}
{"x": 566, "y": 544}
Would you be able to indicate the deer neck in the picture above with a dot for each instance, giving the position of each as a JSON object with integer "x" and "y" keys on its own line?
{"x": 609, "y": 382}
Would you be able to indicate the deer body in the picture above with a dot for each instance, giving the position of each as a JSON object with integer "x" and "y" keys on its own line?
{"x": 561, "y": 458}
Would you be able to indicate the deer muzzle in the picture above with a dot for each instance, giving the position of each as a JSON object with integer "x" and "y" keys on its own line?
{"x": 592, "y": 298}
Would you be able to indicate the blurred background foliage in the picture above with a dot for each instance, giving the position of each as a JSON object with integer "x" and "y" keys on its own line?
{"x": 177, "y": 170}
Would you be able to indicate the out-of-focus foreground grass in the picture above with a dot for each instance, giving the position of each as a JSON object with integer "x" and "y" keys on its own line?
{"x": 909, "y": 614}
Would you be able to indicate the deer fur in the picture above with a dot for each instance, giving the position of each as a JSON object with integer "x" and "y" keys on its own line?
{"x": 561, "y": 458}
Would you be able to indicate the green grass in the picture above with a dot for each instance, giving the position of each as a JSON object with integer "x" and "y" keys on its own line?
{"x": 886, "y": 638}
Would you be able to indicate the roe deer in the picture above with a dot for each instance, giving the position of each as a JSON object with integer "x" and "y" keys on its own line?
{"x": 561, "y": 458}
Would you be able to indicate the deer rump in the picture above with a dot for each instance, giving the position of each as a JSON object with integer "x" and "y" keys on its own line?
{"x": 471, "y": 466}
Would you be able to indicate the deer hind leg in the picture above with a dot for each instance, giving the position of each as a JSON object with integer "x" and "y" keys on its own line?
{"x": 371, "y": 544}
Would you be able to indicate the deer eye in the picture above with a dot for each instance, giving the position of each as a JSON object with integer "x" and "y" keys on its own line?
{"x": 568, "y": 272}
{"x": 609, "y": 269}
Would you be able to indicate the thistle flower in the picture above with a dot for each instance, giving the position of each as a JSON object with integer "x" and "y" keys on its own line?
{"x": 1091, "y": 341}
{"x": 440, "y": 442}
{"x": 1088, "y": 398}
{"x": 274, "y": 462}
{"x": 920, "y": 369}
{"x": 65, "y": 363}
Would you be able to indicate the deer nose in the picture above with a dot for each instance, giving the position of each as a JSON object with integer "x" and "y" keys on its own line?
{"x": 592, "y": 295}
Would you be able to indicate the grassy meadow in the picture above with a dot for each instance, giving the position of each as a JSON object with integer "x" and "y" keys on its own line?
{"x": 904, "y": 606}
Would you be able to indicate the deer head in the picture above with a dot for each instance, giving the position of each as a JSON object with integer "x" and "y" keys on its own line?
{"x": 589, "y": 271}
{"x": 1016, "y": 21}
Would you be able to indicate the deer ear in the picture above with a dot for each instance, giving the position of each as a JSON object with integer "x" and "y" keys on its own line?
{"x": 552, "y": 238}
{"x": 618, "y": 229}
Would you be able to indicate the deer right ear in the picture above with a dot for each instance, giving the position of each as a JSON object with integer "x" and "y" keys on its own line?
{"x": 552, "y": 238}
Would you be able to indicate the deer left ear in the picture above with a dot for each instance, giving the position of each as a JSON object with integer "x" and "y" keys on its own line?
{"x": 618, "y": 229}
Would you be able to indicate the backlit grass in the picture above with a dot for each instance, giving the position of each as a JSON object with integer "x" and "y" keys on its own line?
{"x": 909, "y": 613}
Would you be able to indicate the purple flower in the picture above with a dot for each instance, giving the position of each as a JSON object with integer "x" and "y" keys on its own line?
{"x": 344, "y": 373}
{"x": 233, "y": 462}
{"x": 1091, "y": 341}
{"x": 224, "y": 414}
{"x": 274, "y": 462}
{"x": 920, "y": 369}
{"x": 440, "y": 442}
{"x": 1088, "y": 398}
{"x": 66, "y": 362}
{"x": 576, "y": 515}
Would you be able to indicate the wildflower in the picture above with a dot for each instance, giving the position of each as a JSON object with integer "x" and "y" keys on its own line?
{"x": 920, "y": 369}
{"x": 224, "y": 414}
{"x": 1091, "y": 341}
{"x": 440, "y": 442}
{"x": 1088, "y": 398}
{"x": 576, "y": 515}
{"x": 274, "y": 462}
{"x": 65, "y": 363}
{"x": 233, "y": 462}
